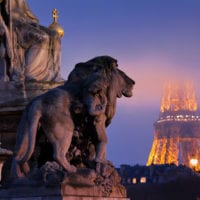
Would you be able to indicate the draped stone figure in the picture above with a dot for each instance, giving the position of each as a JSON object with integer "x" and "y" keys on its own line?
{"x": 20, "y": 9}
{"x": 29, "y": 43}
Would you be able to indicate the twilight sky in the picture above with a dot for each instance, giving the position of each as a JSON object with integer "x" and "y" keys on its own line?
{"x": 153, "y": 40}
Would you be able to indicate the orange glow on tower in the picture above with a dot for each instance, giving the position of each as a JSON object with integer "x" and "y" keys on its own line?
{"x": 179, "y": 98}
{"x": 177, "y": 131}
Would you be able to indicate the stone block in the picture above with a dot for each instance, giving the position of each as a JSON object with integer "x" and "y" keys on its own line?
{"x": 54, "y": 193}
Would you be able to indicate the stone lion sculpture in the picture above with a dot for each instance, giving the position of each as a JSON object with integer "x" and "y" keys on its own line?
{"x": 118, "y": 84}
{"x": 95, "y": 85}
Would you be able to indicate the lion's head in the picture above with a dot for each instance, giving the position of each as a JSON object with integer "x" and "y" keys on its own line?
{"x": 124, "y": 84}
{"x": 95, "y": 71}
{"x": 100, "y": 64}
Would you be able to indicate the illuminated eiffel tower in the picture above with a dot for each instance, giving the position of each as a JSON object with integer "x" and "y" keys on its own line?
{"x": 177, "y": 131}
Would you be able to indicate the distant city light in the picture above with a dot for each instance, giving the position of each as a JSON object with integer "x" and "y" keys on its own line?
{"x": 193, "y": 163}
{"x": 134, "y": 180}
{"x": 143, "y": 180}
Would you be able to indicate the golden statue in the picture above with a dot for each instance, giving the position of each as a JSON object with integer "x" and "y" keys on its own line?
{"x": 55, "y": 15}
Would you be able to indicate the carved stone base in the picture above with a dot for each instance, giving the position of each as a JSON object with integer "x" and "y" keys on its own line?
{"x": 56, "y": 193}
{"x": 51, "y": 182}
{"x": 95, "y": 191}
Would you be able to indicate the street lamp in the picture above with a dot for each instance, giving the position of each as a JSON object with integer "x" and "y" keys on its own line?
{"x": 193, "y": 163}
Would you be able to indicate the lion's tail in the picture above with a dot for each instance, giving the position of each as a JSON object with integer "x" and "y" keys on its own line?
{"x": 26, "y": 139}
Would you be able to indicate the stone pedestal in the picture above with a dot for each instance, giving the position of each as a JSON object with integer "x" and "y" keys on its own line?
{"x": 56, "y": 193}
{"x": 94, "y": 191}
{"x": 14, "y": 97}
{"x": 85, "y": 184}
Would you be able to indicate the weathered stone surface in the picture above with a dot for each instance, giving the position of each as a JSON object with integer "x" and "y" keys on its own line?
{"x": 85, "y": 182}
{"x": 55, "y": 193}
{"x": 29, "y": 192}
{"x": 16, "y": 95}
{"x": 94, "y": 191}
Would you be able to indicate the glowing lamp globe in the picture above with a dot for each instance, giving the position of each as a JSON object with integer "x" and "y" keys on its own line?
{"x": 193, "y": 162}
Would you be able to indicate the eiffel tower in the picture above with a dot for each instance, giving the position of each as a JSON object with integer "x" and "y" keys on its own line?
{"x": 177, "y": 130}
